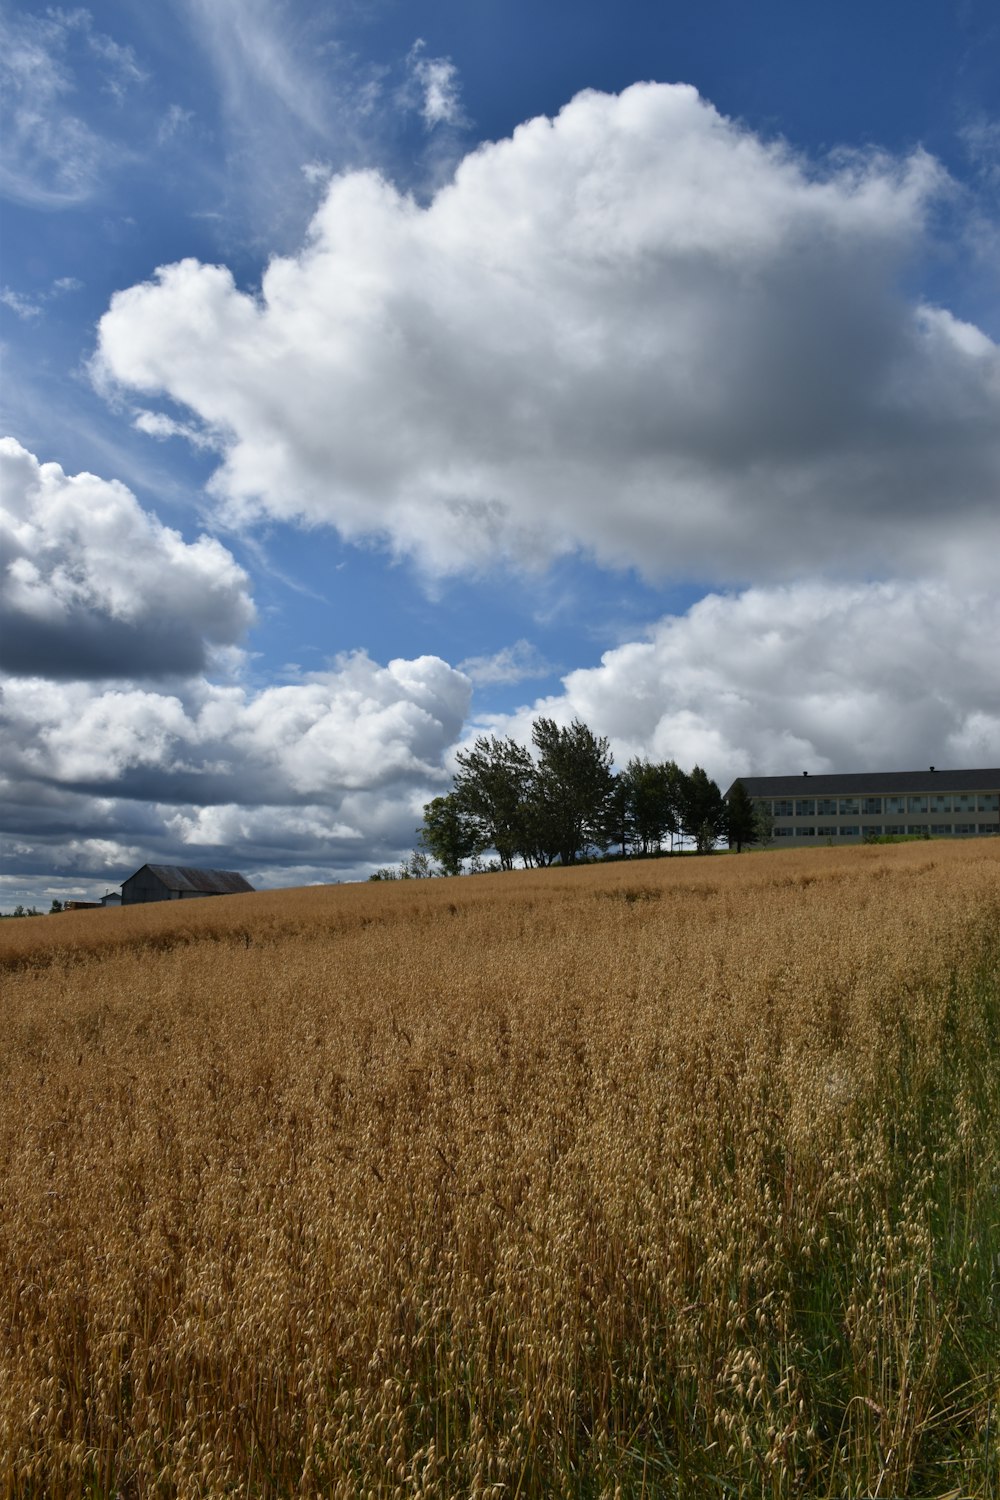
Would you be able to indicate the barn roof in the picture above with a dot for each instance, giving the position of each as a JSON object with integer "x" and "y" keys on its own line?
{"x": 209, "y": 882}
{"x": 876, "y": 783}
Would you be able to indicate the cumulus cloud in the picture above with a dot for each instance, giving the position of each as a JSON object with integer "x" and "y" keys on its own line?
{"x": 94, "y": 586}
{"x": 332, "y": 770}
{"x": 808, "y": 676}
{"x": 636, "y": 329}
{"x": 358, "y": 725}
{"x": 326, "y": 777}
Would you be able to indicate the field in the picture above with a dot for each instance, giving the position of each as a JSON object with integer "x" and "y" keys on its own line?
{"x": 674, "y": 1178}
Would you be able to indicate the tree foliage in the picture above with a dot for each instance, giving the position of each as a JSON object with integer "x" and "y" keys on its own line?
{"x": 450, "y": 834}
{"x": 565, "y": 801}
{"x": 703, "y": 810}
{"x": 572, "y": 786}
{"x": 493, "y": 785}
{"x": 742, "y": 826}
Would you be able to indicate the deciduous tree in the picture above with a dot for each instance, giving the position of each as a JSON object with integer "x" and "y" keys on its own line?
{"x": 449, "y": 833}
{"x": 493, "y": 785}
{"x": 573, "y": 785}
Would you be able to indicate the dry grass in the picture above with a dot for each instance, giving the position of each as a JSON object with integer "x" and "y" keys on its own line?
{"x": 678, "y": 1178}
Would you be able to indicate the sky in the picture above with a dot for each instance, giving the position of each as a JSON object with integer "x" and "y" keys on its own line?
{"x": 380, "y": 374}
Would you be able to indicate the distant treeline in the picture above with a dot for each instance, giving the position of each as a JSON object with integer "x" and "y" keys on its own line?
{"x": 30, "y": 911}
{"x": 565, "y": 803}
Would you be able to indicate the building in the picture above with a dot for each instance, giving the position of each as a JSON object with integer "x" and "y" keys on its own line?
{"x": 844, "y": 809}
{"x": 180, "y": 883}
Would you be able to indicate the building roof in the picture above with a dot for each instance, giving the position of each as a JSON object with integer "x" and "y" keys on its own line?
{"x": 208, "y": 882}
{"x": 875, "y": 783}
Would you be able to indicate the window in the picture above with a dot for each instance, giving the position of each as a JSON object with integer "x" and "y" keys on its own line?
{"x": 918, "y": 828}
{"x": 965, "y": 827}
{"x": 805, "y": 833}
{"x": 805, "y": 807}
{"x": 870, "y": 805}
{"x": 849, "y": 807}
{"x": 850, "y": 833}
{"x": 940, "y": 828}
{"x": 964, "y": 802}
{"x": 916, "y": 804}
{"x": 763, "y": 805}
{"x": 827, "y": 807}
{"x": 940, "y": 803}
{"x": 783, "y": 833}
{"x": 988, "y": 828}
{"x": 895, "y": 828}
{"x": 895, "y": 804}
{"x": 783, "y": 809}
{"x": 827, "y": 832}
{"x": 989, "y": 801}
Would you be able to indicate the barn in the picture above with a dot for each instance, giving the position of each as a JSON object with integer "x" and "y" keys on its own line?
{"x": 180, "y": 883}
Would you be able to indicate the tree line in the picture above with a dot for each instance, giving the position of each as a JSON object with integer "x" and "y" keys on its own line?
{"x": 564, "y": 803}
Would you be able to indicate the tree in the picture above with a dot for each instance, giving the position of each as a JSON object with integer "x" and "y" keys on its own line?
{"x": 618, "y": 813}
{"x": 417, "y": 867}
{"x": 449, "y": 833}
{"x": 652, "y": 799}
{"x": 741, "y": 814}
{"x": 56, "y": 905}
{"x": 703, "y": 811}
{"x": 764, "y": 824}
{"x": 573, "y": 786}
{"x": 493, "y": 787}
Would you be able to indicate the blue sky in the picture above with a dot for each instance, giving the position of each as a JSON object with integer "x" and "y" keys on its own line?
{"x": 376, "y": 374}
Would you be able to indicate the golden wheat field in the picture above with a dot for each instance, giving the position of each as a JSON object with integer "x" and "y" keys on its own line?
{"x": 670, "y": 1178}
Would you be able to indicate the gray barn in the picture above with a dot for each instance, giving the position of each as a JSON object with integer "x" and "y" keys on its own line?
{"x": 180, "y": 883}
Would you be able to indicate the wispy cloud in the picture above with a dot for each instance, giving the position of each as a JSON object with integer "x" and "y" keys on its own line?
{"x": 53, "y": 156}
{"x": 156, "y": 424}
{"x": 287, "y": 102}
{"x": 174, "y": 123}
{"x": 518, "y": 663}
{"x": 33, "y": 307}
{"x": 22, "y": 306}
{"x": 436, "y": 79}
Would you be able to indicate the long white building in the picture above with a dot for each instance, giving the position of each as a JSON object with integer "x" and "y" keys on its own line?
{"x": 810, "y": 809}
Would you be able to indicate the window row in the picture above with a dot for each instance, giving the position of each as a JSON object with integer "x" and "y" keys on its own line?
{"x": 842, "y": 831}
{"x": 866, "y": 807}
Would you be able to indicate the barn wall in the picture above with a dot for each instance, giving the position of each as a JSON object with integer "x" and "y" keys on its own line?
{"x": 144, "y": 886}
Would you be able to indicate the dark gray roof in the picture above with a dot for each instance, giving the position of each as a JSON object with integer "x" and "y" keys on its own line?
{"x": 209, "y": 882}
{"x": 875, "y": 783}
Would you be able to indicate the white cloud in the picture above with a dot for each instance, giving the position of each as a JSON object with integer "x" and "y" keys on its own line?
{"x": 175, "y": 122}
{"x": 808, "y": 676}
{"x": 22, "y": 306}
{"x": 53, "y": 158}
{"x": 330, "y": 772}
{"x": 28, "y": 308}
{"x": 91, "y": 585}
{"x": 326, "y": 776}
{"x": 157, "y": 424}
{"x": 286, "y": 95}
{"x": 517, "y": 663}
{"x": 437, "y": 80}
{"x": 637, "y": 329}
{"x": 355, "y": 727}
